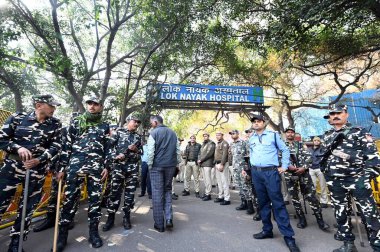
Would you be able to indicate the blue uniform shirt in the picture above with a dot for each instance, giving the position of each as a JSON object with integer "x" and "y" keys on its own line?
{"x": 144, "y": 157}
{"x": 263, "y": 150}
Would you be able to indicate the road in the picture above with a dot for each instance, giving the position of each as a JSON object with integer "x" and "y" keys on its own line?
{"x": 198, "y": 226}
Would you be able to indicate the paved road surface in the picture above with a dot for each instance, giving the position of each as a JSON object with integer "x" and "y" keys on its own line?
{"x": 198, "y": 226}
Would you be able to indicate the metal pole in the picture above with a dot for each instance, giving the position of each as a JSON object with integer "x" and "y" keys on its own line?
{"x": 57, "y": 216}
{"x": 24, "y": 206}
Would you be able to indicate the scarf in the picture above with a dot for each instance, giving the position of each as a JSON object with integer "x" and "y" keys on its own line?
{"x": 88, "y": 120}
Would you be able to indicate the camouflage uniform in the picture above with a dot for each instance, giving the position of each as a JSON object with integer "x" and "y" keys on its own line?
{"x": 239, "y": 150}
{"x": 125, "y": 172}
{"x": 85, "y": 155}
{"x": 295, "y": 182}
{"x": 350, "y": 177}
{"x": 43, "y": 141}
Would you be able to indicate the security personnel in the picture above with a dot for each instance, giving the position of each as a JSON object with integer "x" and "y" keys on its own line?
{"x": 85, "y": 154}
{"x": 264, "y": 147}
{"x": 297, "y": 177}
{"x": 31, "y": 140}
{"x": 192, "y": 168}
{"x": 352, "y": 160}
{"x": 239, "y": 150}
{"x": 221, "y": 170}
{"x": 128, "y": 151}
{"x": 206, "y": 162}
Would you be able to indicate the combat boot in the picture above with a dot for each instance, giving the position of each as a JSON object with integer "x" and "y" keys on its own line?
{"x": 110, "y": 222}
{"x": 250, "y": 209}
{"x": 95, "y": 239}
{"x": 13, "y": 246}
{"x": 348, "y": 246}
{"x": 127, "y": 220}
{"x": 243, "y": 205}
{"x": 62, "y": 237}
{"x": 321, "y": 223}
{"x": 302, "y": 221}
{"x": 48, "y": 222}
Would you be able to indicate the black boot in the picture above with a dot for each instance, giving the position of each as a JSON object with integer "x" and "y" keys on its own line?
{"x": 95, "y": 239}
{"x": 302, "y": 221}
{"x": 110, "y": 222}
{"x": 127, "y": 220}
{"x": 13, "y": 246}
{"x": 48, "y": 222}
{"x": 250, "y": 209}
{"x": 348, "y": 246}
{"x": 243, "y": 205}
{"x": 62, "y": 237}
{"x": 321, "y": 224}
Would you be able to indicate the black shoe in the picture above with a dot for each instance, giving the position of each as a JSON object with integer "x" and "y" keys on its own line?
{"x": 159, "y": 229}
{"x": 49, "y": 222}
{"x": 197, "y": 195}
{"x": 324, "y": 205}
{"x": 71, "y": 225}
{"x": 322, "y": 225}
{"x": 250, "y": 209}
{"x": 257, "y": 217}
{"x": 110, "y": 222}
{"x": 225, "y": 203}
{"x": 13, "y": 246}
{"x": 150, "y": 196}
{"x": 174, "y": 196}
{"x": 127, "y": 221}
{"x": 218, "y": 200}
{"x": 292, "y": 246}
{"x": 62, "y": 237}
{"x": 302, "y": 221}
{"x": 186, "y": 193}
{"x": 243, "y": 205}
{"x": 141, "y": 195}
{"x": 169, "y": 223}
{"x": 95, "y": 239}
{"x": 263, "y": 235}
{"x": 213, "y": 186}
{"x": 206, "y": 198}
{"x": 348, "y": 246}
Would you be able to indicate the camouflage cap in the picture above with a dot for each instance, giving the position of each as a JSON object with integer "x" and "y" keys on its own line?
{"x": 49, "y": 99}
{"x": 257, "y": 117}
{"x": 93, "y": 99}
{"x": 234, "y": 132}
{"x": 337, "y": 108}
{"x": 290, "y": 128}
{"x": 134, "y": 118}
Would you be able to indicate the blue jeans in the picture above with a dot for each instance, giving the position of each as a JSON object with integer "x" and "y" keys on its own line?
{"x": 268, "y": 189}
{"x": 145, "y": 179}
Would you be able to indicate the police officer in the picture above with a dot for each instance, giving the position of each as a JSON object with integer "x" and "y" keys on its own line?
{"x": 85, "y": 154}
{"x": 297, "y": 177}
{"x": 206, "y": 162}
{"x": 192, "y": 168}
{"x": 351, "y": 160}
{"x": 264, "y": 147}
{"x": 31, "y": 140}
{"x": 221, "y": 170}
{"x": 239, "y": 150}
{"x": 128, "y": 150}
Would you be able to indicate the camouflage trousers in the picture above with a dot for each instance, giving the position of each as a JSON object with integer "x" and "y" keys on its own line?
{"x": 294, "y": 184}
{"x": 359, "y": 188}
{"x": 245, "y": 187}
{"x": 123, "y": 175}
{"x": 52, "y": 204}
{"x": 72, "y": 194}
{"x": 11, "y": 175}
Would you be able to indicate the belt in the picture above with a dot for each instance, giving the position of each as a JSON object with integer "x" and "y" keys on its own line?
{"x": 266, "y": 168}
